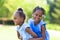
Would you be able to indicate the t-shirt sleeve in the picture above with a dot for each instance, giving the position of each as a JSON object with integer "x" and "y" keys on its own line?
{"x": 17, "y": 28}
{"x": 26, "y": 25}
{"x": 29, "y": 21}
{"x": 44, "y": 23}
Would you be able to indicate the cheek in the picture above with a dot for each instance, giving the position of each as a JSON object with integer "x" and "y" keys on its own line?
{"x": 16, "y": 21}
{"x": 21, "y": 20}
{"x": 34, "y": 16}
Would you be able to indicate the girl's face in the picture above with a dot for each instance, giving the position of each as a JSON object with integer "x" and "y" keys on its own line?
{"x": 18, "y": 20}
{"x": 37, "y": 15}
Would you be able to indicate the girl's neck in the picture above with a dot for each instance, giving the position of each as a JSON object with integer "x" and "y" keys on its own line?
{"x": 21, "y": 24}
{"x": 36, "y": 22}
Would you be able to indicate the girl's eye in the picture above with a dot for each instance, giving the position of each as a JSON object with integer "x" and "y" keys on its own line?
{"x": 39, "y": 15}
{"x": 36, "y": 15}
{"x": 14, "y": 18}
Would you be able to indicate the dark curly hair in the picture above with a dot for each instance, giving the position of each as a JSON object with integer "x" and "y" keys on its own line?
{"x": 39, "y": 8}
{"x": 21, "y": 13}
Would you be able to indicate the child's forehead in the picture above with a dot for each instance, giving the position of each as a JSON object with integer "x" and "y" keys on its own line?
{"x": 16, "y": 15}
{"x": 38, "y": 11}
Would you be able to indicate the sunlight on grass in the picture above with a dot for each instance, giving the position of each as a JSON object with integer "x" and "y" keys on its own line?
{"x": 55, "y": 38}
{"x": 53, "y": 27}
{"x": 54, "y": 35}
{"x": 9, "y": 33}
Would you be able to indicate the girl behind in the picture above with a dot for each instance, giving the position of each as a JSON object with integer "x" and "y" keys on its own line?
{"x": 23, "y": 29}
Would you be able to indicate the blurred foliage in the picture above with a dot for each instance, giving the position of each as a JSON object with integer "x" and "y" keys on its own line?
{"x": 3, "y": 10}
{"x": 54, "y": 12}
{"x": 52, "y": 8}
{"x": 27, "y": 5}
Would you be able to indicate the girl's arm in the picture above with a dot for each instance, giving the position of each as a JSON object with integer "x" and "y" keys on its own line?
{"x": 35, "y": 39}
{"x": 43, "y": 32}
{"x": 18, "y": 36}
{"x": 31, "y": 32}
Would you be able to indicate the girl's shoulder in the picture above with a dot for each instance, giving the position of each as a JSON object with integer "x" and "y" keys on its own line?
{"x": 30, "y": 20}
{"x": 17, "y": 28}
{"x": 42, "y": 22}
{"x": 25, "y": 25}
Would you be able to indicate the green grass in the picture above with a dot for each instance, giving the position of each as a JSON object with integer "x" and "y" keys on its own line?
{"x": 54, "y": 38}
{"x": 9, "y": 33}
{"x": 53, "y": 27}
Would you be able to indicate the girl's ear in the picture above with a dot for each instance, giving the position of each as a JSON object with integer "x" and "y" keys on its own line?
{"x": 43, "y": 16}
{"x": 32, "y": 14}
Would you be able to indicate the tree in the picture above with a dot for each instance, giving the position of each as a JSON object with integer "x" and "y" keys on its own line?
{"x": 27, "y": 5}
{"x": 9, "y": 7}
{"x": 3, "y": 10}
{"x": 54, "y": 11}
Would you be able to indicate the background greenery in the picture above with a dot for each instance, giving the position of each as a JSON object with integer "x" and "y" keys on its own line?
{"x": 52, "y": 8}
{"x": 8, "y": 7}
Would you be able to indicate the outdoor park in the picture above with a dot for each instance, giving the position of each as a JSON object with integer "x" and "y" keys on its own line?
{"x": 8, "y": 7}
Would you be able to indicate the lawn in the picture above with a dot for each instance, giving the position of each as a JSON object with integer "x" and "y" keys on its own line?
{"x": 9, "y": 33}
{"x": 53, "y": 27}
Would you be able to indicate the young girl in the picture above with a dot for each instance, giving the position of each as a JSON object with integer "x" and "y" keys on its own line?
{"x": 23, "y": 30}
{"x": 37, "y": 25}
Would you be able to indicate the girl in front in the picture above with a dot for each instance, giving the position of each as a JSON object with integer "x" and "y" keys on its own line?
{"x": 23, "y": 29}
{"x": 37, "y": 25}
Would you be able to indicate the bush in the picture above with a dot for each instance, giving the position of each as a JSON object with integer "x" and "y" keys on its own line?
{"x": 9, "y": 22}
{"x": 1, "y": 22}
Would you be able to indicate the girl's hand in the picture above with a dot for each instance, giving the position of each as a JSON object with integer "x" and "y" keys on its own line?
{"x": 20, "y": 38}
{"x": 32, "y": 39}
{"x": 35, "y": 39}
{"x": 31, "y": 32}
{"x": 39, "y": 38}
